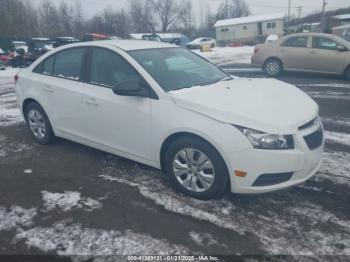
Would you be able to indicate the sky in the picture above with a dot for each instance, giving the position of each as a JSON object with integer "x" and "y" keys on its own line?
{"x": 257, "y": 7}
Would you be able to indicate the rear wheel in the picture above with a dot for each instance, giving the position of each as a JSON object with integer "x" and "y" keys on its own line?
{"x": 39, "y": 124}
{"x": 273, "y": 67}
{"x": 196, "y": 168}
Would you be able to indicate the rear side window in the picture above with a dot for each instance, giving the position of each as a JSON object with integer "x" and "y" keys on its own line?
{"x": 109, "y": 69}
{"x": 48, "y": 65}
{"x": 68, "y": 63}
{"x": 324, "y": 43}
{"x": 45, "y": 67}
{"x": 300, "y": 42}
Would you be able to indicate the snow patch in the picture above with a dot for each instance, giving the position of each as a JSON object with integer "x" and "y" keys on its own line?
{"x": 9, "y": 112}
{"x": 335, "y": 167}
{"x": 28, "y": 171}
{"x": 69, "y": 240}
{"x": 337, "y": 121}
{"x": 204, "y": 239}
{"x": 15, "y": 217}
{"x": 279, "y": 224}
{"x": 68, "y": 200}
{"x": 339, "y": 138}
{"x": 228, "y": 55}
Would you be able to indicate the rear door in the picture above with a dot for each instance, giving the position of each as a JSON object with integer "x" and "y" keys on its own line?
{"x": 293, "y": 52}
{"x": 63, "y": 91}
{"x": 324, "y": 56}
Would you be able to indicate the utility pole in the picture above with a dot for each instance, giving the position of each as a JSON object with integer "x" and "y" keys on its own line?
{"x": 288, "y": 23}
{"x": 300, "y": 8}
{"x": 226, "y": 8}
{"x": 323, "y": 22}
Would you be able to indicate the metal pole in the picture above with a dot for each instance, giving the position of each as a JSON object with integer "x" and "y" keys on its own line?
{"x": 288, "y": 23}
{"x": 323, "y": 16}
{"x": 227, "y": 16}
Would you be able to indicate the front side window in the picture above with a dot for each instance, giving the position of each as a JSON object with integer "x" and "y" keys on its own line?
{"x": 109, "y": 69}
{"x": 300, "y": 42}
{"x": 177, "y": 68}
{"x": 68, "y": 63}
{"x": 324, "y": 43}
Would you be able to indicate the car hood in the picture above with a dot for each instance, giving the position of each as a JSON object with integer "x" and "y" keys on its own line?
{"x": 266, "y": 105}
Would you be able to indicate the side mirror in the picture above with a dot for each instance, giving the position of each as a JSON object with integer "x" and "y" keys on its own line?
{"x": 132, "y": 88}
{"x": 341, "y": 48}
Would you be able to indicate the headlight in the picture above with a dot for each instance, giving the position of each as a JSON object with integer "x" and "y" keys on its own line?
{"x": 261, "y": 140}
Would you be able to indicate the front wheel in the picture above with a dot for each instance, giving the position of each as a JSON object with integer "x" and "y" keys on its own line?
{"x": 196, "y": 168}
{"x": 273, "y": 67}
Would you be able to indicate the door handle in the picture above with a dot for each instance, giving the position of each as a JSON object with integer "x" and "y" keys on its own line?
{"x": 91, "y": 101}
{"x": 313, "y": 52}
{"x": 48, "y": 89}
{"x": 283, "y": 51}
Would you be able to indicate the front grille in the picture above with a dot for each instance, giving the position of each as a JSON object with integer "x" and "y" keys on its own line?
{"x": 272, "y": 179}
{"x": 315, "y": 139}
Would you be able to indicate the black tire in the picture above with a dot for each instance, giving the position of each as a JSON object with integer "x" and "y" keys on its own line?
{"x": 48, "y": 137}
{"x": 212, "y": 45}
{"x": 221, "y": 181}
{"x": 347, "y": 73}
{"x": 273, "y": 67}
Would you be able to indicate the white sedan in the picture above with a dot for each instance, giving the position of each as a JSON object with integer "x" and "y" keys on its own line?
{"x": 166, "y": 107}
{"x": 199, "y": 42}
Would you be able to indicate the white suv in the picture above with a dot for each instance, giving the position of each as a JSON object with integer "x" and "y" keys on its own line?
{"x": 166, "y": 107}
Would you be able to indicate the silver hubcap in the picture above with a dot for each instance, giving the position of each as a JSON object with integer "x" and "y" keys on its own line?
{"x": 273, "y": 68}
{"x": 37, "y": 124}
{"x": 194, "y": 170}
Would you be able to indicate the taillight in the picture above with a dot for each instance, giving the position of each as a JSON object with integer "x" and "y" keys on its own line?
{"x": 16, "y": 78}
{"x": 256, "y": 50}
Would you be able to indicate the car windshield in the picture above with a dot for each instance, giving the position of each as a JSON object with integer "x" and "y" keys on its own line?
{"x": 177, "y": 68}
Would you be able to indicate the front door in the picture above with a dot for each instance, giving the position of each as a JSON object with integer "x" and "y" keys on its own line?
{"x": 121, "y": 123}
{"x": 325, "y": 57}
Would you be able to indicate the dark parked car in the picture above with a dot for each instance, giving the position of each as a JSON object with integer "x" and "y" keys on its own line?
{"x": 64, "y": 40}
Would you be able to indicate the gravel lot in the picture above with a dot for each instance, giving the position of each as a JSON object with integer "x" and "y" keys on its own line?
{"x": 68, "y": 199}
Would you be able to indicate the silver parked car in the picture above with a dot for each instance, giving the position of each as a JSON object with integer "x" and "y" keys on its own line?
{"x": 308, "y": 52}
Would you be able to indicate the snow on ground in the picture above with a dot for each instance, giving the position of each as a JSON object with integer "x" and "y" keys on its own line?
{"x": 228, "y": 55}
{"x": 75, "y": 240}
{"x": 9, "y": 112}
{"x": 338, "y": 138}
{"x": 335, "y": 167}
{"x": 334, "y": 85}
{"x": 7, "y": 79}
{"x": 16, "y": 217}
{"x": 337, "y": 121}
{"x": 204, "y": 239}
{"x": 69, "y": 200}
{"x": 280, "y": 230}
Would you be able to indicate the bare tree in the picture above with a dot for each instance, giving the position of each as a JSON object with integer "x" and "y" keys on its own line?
{"x": 234, "y": 8}
{"x": 141, "y": 15}
{"x": 170, "y": 12}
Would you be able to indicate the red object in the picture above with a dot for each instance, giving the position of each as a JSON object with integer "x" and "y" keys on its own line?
{"x": 256, "y": 50}
{"x": 16, "y": 78}
{"x": 235, "y": 44}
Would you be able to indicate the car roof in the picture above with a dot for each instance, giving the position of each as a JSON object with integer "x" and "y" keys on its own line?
{"x": 130, "y": 45}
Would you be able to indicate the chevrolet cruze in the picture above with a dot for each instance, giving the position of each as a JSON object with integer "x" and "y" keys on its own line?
{"x": 166, "y": 107}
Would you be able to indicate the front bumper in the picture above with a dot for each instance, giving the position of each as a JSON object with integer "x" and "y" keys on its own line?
{"x": 302, "y": 163}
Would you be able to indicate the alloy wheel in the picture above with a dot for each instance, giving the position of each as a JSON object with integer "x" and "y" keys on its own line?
{"x": 194, "y": 170}
{"x": 37, "y": 124}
